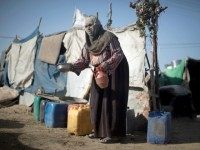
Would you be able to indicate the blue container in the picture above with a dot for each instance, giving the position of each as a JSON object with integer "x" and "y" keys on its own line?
{"x": 55, "y": 115}
{"x": 159, "y": 127}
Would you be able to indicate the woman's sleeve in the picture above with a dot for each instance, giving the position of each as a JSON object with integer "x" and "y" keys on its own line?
{"x": 116, "y": 56}
{"x": 82, "y": 62}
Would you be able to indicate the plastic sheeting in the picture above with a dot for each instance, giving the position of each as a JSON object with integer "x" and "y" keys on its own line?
{"x": 27, "y": 72}
{"x": 131, "y": 42}
{"x": 77, "y": 86}
{"x": 133, "y": 47}
{"x": 193, "y": 66}
{"x": 173, "y": 75}
{"x": 50, "y": 48}
{"x": 26, "y": 99}
{"x": 79, "y": 19}
{"x": 21, "y": 61}
{"x": 47, "y": 77}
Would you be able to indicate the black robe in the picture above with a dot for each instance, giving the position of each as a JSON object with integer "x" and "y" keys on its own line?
{"x": 109, "y": 105}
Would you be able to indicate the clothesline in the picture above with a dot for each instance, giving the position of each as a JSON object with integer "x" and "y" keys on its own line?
{"x": 8, "y": 37}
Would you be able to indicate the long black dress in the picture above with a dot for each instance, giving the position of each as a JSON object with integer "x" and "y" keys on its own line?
{"x": 109, "y": 105}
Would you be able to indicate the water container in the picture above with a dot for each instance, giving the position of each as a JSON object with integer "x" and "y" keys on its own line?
{"x": 79, "y": 122}
{"x": 42, "y": 109}
{"x": 55, "y": 115}
{"x": 101, "y": 79}
{"x": 159, "y": 127}
{"x": 36, "y": 108}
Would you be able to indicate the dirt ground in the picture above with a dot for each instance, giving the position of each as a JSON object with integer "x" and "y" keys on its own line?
{"x": 19, "y": 131}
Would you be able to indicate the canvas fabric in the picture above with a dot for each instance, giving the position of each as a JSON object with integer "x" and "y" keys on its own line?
{"x": 20, "y": 59}
{"x": 47, "y": 77}
{"x": 50, "y": 48}
{"x": 133, "y": 47}
{"x": 77, "y": 86}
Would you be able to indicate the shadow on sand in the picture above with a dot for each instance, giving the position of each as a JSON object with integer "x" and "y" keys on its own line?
{"x": 11, "y": 138}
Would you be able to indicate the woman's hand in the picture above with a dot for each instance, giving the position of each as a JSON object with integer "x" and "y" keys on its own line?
{"x": 99, "y": 68}
{"x": 64, "y": 67}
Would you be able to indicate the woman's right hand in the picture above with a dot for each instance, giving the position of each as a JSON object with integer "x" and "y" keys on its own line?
{"x": 64, "y": 67}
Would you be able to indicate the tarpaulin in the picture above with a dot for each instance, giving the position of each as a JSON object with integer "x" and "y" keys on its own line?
{"x": 47, "y": 77}
{"x": 50, "y": 48}
{"x": 21, "y": 61}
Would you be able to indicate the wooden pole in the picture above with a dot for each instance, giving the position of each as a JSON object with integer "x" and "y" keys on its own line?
{"x": 152, "y": 78}
{"x": 155, "y": 61}
{"x": 155, "y": 78}
{"x": 40, "y": 22}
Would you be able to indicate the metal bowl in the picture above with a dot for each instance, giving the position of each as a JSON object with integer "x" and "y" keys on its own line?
{"x": 60, "y": 67}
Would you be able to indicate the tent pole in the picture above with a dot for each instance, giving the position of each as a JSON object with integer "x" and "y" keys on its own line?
{"x": 40, "y": 22}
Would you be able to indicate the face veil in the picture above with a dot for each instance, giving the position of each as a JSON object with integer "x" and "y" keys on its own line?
{"x": 93, "y": 27}
{"x": 96, "y": 37}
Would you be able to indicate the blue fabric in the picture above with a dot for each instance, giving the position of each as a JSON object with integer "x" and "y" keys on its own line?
{"x": 33, "y": 34}
{"x": 47, "y": 77}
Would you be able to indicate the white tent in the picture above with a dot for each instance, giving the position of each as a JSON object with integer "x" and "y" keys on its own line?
{"x": 78, "y": 86}
{"x": 133, "y": 47}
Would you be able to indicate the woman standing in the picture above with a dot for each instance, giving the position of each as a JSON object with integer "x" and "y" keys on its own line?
{"x": 109, "y": 103}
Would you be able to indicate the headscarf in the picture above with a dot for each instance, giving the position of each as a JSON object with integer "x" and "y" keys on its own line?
{"x": 96, "y": 37}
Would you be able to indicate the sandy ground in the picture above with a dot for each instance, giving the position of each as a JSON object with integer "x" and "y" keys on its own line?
{"x": 19, "y": 131}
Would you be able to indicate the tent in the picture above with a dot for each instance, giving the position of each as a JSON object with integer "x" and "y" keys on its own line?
{"x": 33, "y": 68}
{"x": 179, "y": 87}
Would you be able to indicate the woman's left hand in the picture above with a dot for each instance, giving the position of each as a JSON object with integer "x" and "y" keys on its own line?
{"x": 99, "y": 68}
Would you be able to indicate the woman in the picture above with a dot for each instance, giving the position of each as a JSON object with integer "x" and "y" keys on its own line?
{"x": 108, "y": 105}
